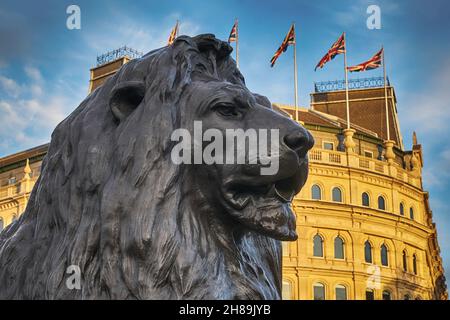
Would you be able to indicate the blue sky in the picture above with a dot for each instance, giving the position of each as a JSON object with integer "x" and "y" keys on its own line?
{"x": 44, "y": 67}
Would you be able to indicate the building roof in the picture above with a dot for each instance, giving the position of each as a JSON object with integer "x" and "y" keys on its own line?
{"x": 23, "y": 156}
{"x": 367, "y": 110}
{"x": 316, "y": 118}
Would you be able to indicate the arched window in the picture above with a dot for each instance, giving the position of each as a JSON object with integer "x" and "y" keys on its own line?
{"x": 316, "y": 192}
{"x": 1, "y": 224}
{"x": 285, "y": 248}
{"x": 368, "y": 252}
{"x": 318, "y": 246}
{"x": 381, "y": 203}
{"x": 402, "y": 209}
{"x": 14, "y": 218}
{"x": 370, "y": 294}
{"x": 384, "y": 255}
{"x": 418, "y": 298}
{"x": 365, "y": 199}
{"x": 405, "y": 261}
{"x": 337, "y": 194}
{"x": 386, "y": 295}
{"x": 319, "y": 291}
{"x": 411, "y": 213}
{"x": 286, "y": 292}
{"x": 415, "y": 264}
{"x": 407, "y": 297}
{"x": 341, "y": 292}
{"x": 338, "y": 248}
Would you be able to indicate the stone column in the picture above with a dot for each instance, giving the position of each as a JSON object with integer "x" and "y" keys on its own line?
{"x": 348, "y": 141}
{"x": 389, "y": 151}
{"x": 25, "y": 185}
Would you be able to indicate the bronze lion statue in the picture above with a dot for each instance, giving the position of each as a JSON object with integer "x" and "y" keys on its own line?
{"x": 111, "y": 202}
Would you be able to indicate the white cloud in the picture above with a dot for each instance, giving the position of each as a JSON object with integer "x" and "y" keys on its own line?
{"x": 29, "y": 118}
{"x": 10, "y": 86}
{"x": 33, "y": 73}
{"x": 430, "y": 111}
{"x": 140, "y": 36}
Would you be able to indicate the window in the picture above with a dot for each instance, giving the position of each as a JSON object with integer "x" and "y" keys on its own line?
{"x": 1, "y": 224}
{"x": 368, "y": 154}
{"x": 405, "y": 261}
{"x": 286, "y": 291}
{"x": 318, "y": 246}
{"x": 368, "y": 252}
{"x": 384, "y": 255}
{"x": 386, "y": 295}
{"x": 14, "y": 218}
{"x": 381, "y": 203}
{"x": 285, "y": 248}
{"x": 415, "y": 264}
{"x": 411, "y": 213}
{"x": 407, "y": 297}
{"x": 402, "y": 209}
{"x": 418, "y": 298}
{"x": 316, "y": 192}
{"x": 12, "y": 180}
{"x": 337, "y": 194}
{"x": 328, "y": 145}
{"x": 319, "y": 291}
{"x": 370, "y": 295}
{"x": 338, "y": 248}
{"x": 365, "y": 199}
{"x": 341, "y": 292}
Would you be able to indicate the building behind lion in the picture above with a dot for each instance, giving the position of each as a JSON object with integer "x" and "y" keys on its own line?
{"x": 364, "y": 222}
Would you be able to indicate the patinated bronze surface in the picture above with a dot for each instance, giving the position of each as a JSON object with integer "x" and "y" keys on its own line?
{"x": 111, "y": 202}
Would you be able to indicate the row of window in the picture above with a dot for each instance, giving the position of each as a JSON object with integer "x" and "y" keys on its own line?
{"x": 336, "y": 196}
{"x": 339, "y": 252}
{"x": 340, "y": 292}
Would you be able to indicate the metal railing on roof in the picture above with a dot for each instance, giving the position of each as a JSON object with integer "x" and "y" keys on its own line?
{"x": 353, "y": 84}
{"x": 118, "y": 53}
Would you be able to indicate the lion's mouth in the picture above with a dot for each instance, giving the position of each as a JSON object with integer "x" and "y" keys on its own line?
{"x": 264, "y": 208}
{"x": 239, "y": 195}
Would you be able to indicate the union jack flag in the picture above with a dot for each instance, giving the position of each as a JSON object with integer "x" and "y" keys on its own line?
{"x": 288, "y": 40}
{"x": 173, "y": 35}
{"x": 371, "y": 64}
{"x": 337, "y": 48}
{"x": 233, "y": 33}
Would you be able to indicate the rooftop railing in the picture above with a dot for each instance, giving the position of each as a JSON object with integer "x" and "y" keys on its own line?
{"x": 360, "y": 162}
{"x": 353, "y": 84}
{"x": 118, "y": 53}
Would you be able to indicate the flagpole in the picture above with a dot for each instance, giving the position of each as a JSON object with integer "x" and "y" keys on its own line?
{"x": 237, "y": 43}
{"x": 346, "y": 84}
{"x": 295, "y": 74}
{"x": 386, "y": 99}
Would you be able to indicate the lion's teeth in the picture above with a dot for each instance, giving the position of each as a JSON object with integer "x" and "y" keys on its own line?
{"x": 285, "y": 197}
{"x": 238, "y": 202}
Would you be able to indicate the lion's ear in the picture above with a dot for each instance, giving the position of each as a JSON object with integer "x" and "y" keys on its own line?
{"x": 125, "y": 97}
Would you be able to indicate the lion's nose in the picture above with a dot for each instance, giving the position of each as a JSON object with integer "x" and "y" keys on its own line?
{"x": 300, "y": 141}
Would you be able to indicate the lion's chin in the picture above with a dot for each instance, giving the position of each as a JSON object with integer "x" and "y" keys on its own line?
{"x": 265, "y": 209}
{"x": 269, "y": 216}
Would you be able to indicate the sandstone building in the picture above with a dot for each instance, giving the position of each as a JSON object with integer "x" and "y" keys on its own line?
{"x": 364, "y": 222}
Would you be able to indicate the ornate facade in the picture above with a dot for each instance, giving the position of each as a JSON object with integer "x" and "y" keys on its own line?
{"x": 363, "y": 219}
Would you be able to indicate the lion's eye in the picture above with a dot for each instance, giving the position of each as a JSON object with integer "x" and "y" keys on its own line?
{"x": 227, "y": 110}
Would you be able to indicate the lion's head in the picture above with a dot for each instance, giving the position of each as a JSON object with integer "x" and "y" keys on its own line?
{"x": 111, "y": 201}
